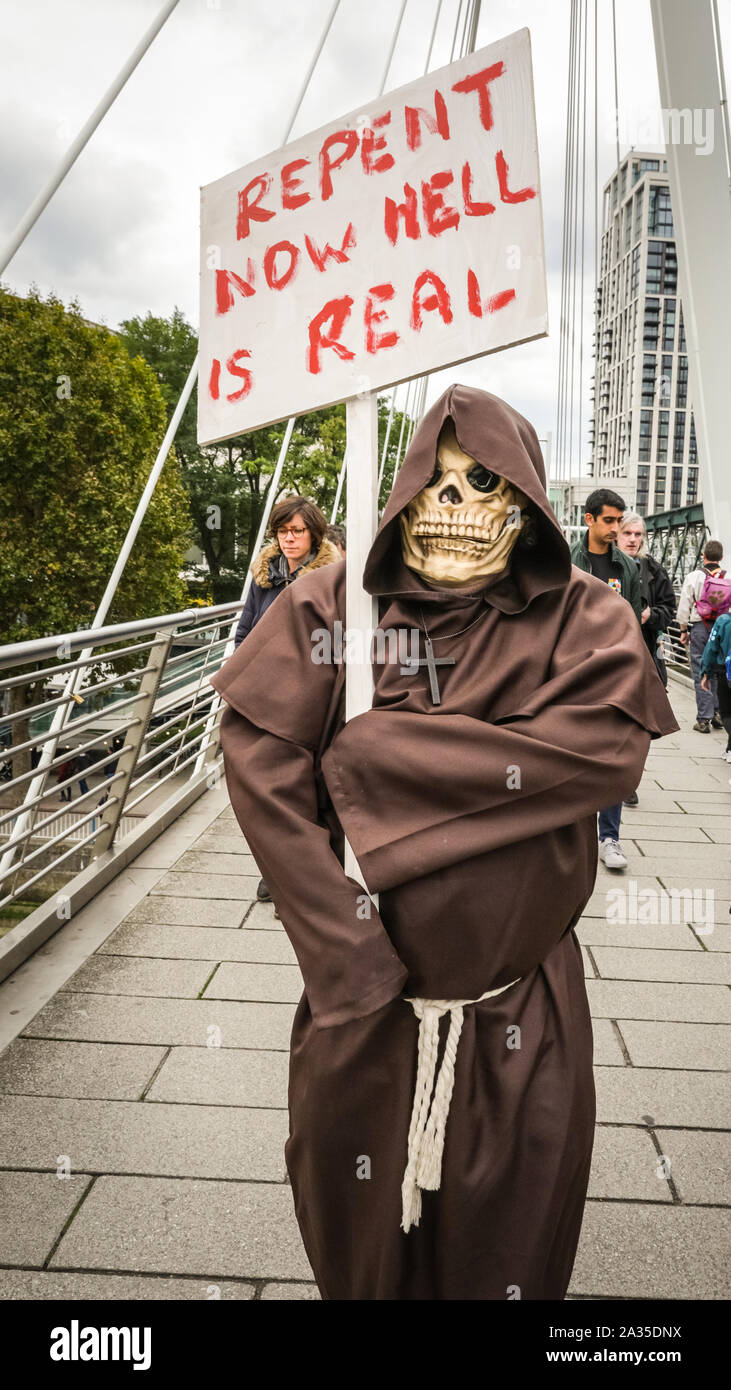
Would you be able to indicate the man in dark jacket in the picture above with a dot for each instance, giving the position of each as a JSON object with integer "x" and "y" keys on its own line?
{"x": 298, "y": 544}
{"x": 598, "y": 553}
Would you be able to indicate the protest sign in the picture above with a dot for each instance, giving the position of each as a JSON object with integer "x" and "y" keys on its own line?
{"x": 398, "y": 240}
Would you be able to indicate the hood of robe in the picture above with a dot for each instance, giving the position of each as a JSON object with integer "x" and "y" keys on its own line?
{"x": 497, "y": 436}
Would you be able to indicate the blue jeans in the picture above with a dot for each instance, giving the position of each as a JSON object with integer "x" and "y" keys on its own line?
{"x": 609, "y": 822}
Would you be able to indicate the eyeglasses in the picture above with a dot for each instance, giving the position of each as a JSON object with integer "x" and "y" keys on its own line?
{"x": 295, "y": 531}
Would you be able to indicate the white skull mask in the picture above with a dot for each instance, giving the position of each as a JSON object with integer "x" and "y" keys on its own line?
{"x": 463, "y": 525}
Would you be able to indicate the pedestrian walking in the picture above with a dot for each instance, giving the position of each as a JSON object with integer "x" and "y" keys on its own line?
{"x": 298, "y": 545}
{"x": 706, "y": 593}
{"x": 657, "y": 596}
{"x": 598, "y": 553}
{"x": 716, "y": 660}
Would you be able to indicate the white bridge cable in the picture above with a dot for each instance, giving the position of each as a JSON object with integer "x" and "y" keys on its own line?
{"x": 26, "y": 812}
{"x": 28, "y": 221}
{"x": 561, "y": 423}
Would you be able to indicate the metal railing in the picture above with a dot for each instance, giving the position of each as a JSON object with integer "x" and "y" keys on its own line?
{"x": 140, "y": 724}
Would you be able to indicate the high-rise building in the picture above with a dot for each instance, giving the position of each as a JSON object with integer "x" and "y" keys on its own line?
{"x": 642, "y": 431}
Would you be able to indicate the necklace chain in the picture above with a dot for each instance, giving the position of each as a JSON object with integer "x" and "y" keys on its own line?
{"x": 445, "y": 636}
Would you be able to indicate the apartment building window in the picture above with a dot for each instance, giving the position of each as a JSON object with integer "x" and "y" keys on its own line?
{"x": 691, "y": 494}
{"x": 660, "y": 216}
{"x": 670, "y": 269}
{"x": 635, "y": 272}
{"x": 681, "y": 385}
{"x": 679, "y": 437}
{"x": 676, "y": 487}
{"x": 650, "y": 165}
{"x": 643, "y": 484}
{"x": 624, "y": 181}
{"x": 645, "y": 433}
{"x": 653, "y": 278}
{"x": 665, "y": 382}
{"x": 628, "y": 225}
{"x": 652, "y": 319}
{"x": 660, "y": 489}
{"x": 638, "y": 214}
{"x": 692, "y": 446}
{"x": 648, "y": 379}
{"x": 668, "y": 325}
{"x": 681, "y": 336}
{"x": 661, "y": 452}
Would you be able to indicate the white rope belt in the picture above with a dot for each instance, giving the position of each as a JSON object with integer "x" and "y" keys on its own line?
{"x": 429, "y": 1115}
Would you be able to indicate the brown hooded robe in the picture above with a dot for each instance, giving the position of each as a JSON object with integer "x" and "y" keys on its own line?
{"x": 482, "y": 876}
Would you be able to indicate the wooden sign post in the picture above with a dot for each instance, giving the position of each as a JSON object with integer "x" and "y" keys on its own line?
{"x": 394, "y": 242}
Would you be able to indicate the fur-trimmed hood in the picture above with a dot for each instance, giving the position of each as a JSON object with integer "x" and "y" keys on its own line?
{"x": 326, "y": 555}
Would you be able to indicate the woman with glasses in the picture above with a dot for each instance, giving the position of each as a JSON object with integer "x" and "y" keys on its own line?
{"x": 298, "y": 544}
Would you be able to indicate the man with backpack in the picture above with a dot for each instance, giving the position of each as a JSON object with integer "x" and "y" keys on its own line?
{"x": 705, "y": 595}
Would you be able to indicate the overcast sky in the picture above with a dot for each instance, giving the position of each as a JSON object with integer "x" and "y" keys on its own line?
{"x": 215, "y": 91}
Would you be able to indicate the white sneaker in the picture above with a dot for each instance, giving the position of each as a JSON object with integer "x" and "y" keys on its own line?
{"x": 727, "y": 755}
{"x": 611, "y": 854}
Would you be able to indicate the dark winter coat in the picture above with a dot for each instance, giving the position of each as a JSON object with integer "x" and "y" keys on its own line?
{"x": 270, "y": 578}
{"x": 657, "y": 594}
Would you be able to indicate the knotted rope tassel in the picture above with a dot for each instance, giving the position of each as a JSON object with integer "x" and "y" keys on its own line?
{"x": 429, "y": 1114}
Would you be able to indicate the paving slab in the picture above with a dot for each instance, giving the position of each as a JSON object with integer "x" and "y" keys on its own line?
{"x": 674, "y": 1003}
{"x": 241, "y": 887}
{"x": 222, "y": 1076}
{"x": 108, "y": 1136}
{"x": 260, "y": 917}
{"x": 700, "y": 1163}
{"x": 173, "y": 979}
{"x": 35, "y": 1208}
{"x": 607, "y": 1048}
{"x": 719, "y": 939}
{"x": 101, "y": 1071}
{"x": 206, "y": 862}
{"x": 22, "y": 1284}
{"x": 222, "y": 839}
{"x": 179, "y": 1226}
{"x": 194, "y": 1022}
{"x": 682, "y": 1046}
{"x": 683, "y": 830}
{"x": 689, "y": 1099}
{"x": 266, "y": 983}
{"x": 180, "y": 911}
{"x": 624, "y": 1166}
{"x": 655, "y": 936}
{"x": 641, "y": 1250}
{"x": 165, "y": 941}
{"x": 290, "y": 1292}
{"x": 679, "y": 967}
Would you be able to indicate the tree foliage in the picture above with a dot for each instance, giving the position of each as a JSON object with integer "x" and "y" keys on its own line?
{"x": 80, "y": 426}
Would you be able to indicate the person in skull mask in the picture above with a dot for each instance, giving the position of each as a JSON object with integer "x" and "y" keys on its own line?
{"x": 441, "y": 1096}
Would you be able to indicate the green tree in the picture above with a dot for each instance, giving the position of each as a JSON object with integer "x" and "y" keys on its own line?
{"x": 80, "y": 425}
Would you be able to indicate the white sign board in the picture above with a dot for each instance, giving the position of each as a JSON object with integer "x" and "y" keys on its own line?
{"x": 396, "y": 241}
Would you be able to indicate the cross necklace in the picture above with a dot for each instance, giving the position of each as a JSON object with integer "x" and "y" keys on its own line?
{"x": 411, "y": 668}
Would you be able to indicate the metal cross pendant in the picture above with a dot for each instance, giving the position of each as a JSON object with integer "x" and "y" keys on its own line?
{"x": 411, "y": 668}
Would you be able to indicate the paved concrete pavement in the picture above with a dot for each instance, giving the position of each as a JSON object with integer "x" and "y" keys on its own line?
{"x": 143, "y": 1085}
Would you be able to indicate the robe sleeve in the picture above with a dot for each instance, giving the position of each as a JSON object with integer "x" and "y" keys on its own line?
{"x": 419, "y": 792}
{"x": 278, "y": 700}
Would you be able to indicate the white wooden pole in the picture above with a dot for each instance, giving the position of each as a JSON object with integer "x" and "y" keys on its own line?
{"x": 361, "y": 609}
